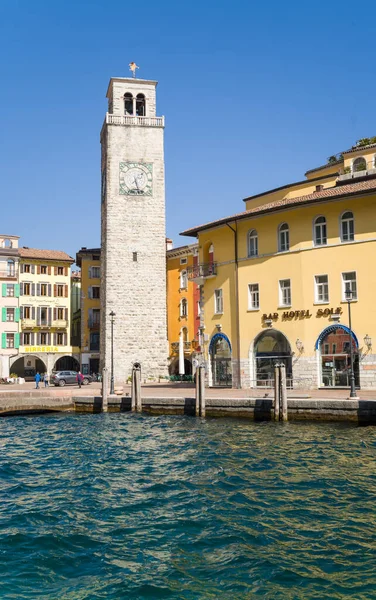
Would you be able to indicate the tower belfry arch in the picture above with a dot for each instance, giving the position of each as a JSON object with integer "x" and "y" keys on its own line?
{"x": 133, "y": 230}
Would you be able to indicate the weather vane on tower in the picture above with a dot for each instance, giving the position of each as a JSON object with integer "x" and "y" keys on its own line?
{"x": 133, "y": 67}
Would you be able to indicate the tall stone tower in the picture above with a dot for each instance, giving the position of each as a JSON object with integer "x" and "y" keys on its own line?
{"x": 133, "y": 258}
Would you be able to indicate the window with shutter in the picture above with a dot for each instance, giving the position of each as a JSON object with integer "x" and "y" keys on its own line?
{"x": 17, "y": 340}
{"x": 3, "y": 340}
{"x": 33, "y": 268}
{"x": 4, "y": 314}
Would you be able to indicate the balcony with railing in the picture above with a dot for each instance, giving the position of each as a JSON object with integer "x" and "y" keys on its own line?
{"x": 28, "y": 323}
{"x": 134, "y": 120}
{"x": 359, "y": 168}
{"x": 94, "y": 324}
{"x": 199, "y": 273}
{"x": 187, "y": 347}
{"x": 60, "y": 323}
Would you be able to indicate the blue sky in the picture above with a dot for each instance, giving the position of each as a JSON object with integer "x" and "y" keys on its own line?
{"x": 254, "y": 94}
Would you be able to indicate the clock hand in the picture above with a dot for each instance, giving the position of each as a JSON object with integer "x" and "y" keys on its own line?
{"x": 135, "y": 181}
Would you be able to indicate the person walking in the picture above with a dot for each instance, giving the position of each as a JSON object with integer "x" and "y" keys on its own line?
{"x": 45, "y": 379}
{"x": 37, "y": 380}
{"x": 79, "y": 378}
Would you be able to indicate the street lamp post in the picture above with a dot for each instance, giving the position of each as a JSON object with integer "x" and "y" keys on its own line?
{"x": 112, "y": 386}
{"x": 349, "y": 295}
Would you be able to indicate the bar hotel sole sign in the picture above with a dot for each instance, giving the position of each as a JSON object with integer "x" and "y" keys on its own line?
{"x": 288, "y": 315}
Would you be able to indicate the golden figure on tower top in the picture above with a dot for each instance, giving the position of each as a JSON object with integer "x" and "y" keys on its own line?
{"x": 133, "y": 67}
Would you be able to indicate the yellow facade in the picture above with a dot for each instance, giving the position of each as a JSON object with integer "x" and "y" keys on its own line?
{"x": 182, "y": 307}
{"x": 88, "y": 259}
{"x": 45, "y": 312}
{"x": 304, "y": 268}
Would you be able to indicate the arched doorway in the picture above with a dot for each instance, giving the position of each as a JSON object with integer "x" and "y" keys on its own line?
{"x": 333, "y": 345}
{"x": 27, "y": 367}
{"x": 174, "y": 367}
{"x": 271, "y": 347}
{"x": 220, "y": 360}
{"x": 67, "y": 363}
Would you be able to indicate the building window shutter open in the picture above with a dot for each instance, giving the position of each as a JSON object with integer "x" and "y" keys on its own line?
{"x": 38, "y": 339}
{"x": 49, "y": 316}
{"x": 3, "y": 340}
{"x": 49, "y": 289}
{"x": 32, "y": 339}
{"x": 55, "y": 270}
{"x": 38, "y": 269}
{"x": 17, "y": 315}
{"x": 55, "y": 312}
{"x": 66, "y": 314}
{"x": 4, "y": 314}
{"x": 4, "y": 290}
{"x": 55, "y": 290}
{"x": 17, "y": 290}
{"x": 21, "y": 288}
{"x": 65, "y": 339}
{"x": 49, "y": 269}
{"x": 33, "y": 268}
{"x": 16, "y": 340}
{"x": 66, "y": 271}
{"x": 21, "y": 312}
{"x": 38, "y": 316}
{"x": 21, "y": 268}
{"x": 33, "y": 289}
{"x": 66, "y": 291}
{"x": 33, "y": 312}
{"x": 38, "y": 289}
{"x": 90, "y": 292}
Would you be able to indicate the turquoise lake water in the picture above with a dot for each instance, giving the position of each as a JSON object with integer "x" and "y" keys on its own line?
{"x": 130, "y": 506}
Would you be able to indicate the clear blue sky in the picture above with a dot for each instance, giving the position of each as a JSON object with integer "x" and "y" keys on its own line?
{"x": 254, "y": 94}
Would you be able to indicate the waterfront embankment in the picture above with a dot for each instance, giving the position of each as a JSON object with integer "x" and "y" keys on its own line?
{"x": 176, "y": 399}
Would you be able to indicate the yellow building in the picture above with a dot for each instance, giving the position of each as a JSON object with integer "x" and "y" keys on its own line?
{"x": 44, "y": 308}
{"x": 183, "y": 307}
{"x": 277, "y": 280}
{"x": 88, "y": 259}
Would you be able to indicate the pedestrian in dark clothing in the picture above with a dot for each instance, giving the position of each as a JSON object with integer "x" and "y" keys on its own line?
{"x": 45, "y": 379}
{"x": 79, "y": 378}
{"x": 37, "y": 380}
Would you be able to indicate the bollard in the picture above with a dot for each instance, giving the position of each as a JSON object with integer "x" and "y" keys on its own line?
{"x": 136, "y": 387}
{"x": 197, "y": 406}
{"x": 283, "y": 388}
{"x": 104, "y": 390}
{"x": 202, "y": 391}
{"x": 276, "y": 392}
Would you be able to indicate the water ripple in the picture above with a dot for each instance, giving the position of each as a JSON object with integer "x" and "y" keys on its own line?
{"x": 128, "y": 506}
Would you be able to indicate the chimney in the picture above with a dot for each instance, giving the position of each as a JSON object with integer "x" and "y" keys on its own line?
{"x": 319, "y": 188}
{"x": 169, "y": 244}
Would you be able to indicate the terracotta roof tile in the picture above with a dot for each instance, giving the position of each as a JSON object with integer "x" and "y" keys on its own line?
{"x": 333, "y": 192}
{"x": 45, "y": 254}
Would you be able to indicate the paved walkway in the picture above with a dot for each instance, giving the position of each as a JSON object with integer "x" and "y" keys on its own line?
{"x": 184, "y": 390}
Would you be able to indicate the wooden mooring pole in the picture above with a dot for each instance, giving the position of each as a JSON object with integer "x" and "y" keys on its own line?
{"x": 283, "y": 393}
{"x": 200, "y": 410}
{"x": 136, "y": 388}
{"x": 104, "y": 390}
{"x": 276, "y": 393}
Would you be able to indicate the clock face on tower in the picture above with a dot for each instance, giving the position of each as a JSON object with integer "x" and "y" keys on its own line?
{"x": 136, "y": 179}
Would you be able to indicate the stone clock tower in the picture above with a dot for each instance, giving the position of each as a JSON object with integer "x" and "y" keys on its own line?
{"x": 133, "y": 259}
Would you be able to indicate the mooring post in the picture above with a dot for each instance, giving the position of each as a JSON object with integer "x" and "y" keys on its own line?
{"x": 136, "y": 388}
{"x": 276, "y": 392}
{"x": 283, "y": 387}
{"x": 197, "y": 405}
{"x": 202, "y": 391}
{"x": 104, "y": 390}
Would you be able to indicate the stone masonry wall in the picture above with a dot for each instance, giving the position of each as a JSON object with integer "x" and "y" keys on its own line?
{"x": 135, "y": 291}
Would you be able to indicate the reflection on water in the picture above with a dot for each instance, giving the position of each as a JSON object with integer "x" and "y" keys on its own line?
{"x": 126, "y": 506}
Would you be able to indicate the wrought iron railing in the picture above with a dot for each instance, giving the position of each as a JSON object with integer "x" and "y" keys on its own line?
{"x": 202, "y": 270}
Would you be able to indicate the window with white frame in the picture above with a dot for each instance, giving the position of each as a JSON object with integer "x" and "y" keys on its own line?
{"x": 326, "y": 348}
{"x": 184, "y": 308}
{"x": 218, "y": 302}
{"x": 95, "y": 272}
{"x": 285, "y": 292}
{"x": 349, "y": 284}
{"x": 10, "y": 314}
{"x": 347, "y": 227}
{"x": 11, "y": 268}
{"x": 321, "y": 289}
{"x": 283, "y": 238}
{"x": 183, "y": 261}
{"x": 320, "y": 236}
{"x": 10, "y": 340}
{"x": 252, "y": 243}
{"x": 183, "y": 280}
{"x": 253, "y": 296}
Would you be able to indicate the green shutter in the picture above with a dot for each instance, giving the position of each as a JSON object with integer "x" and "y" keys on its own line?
{"x": 3, "y": 340}
{"x": 17, "y": 315}
{"x": 17, "y": 290}
{"x": 16, "y": 340}
{"x": 4, "y": 314}
{"x": 4, "y": 290}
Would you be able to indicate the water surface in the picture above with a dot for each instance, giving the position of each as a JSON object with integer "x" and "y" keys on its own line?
{"x": 129, "y": 506}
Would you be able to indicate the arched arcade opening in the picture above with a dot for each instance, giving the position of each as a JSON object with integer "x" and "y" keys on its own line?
{"x": 67, "y": 363}
{"x": 333, "y": 346}
{"x": 270, "y": 348}
{"x": 220, "y": 360}
{"x": 28, "y": 366}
